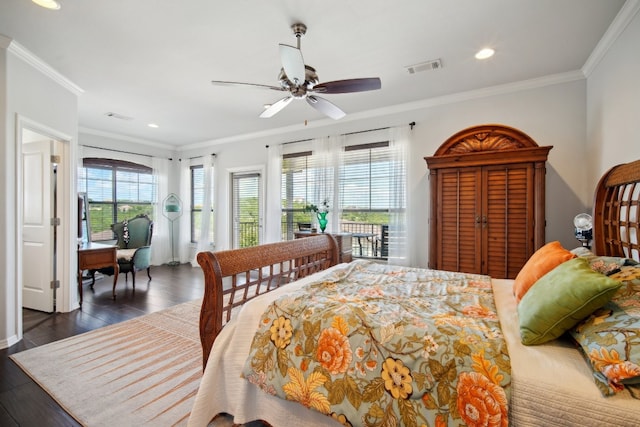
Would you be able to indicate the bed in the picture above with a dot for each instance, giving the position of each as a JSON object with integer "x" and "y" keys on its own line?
{"x": 551, "y": 384}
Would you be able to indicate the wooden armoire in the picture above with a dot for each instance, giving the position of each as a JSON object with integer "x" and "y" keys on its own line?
{"x": 487, "y": 215}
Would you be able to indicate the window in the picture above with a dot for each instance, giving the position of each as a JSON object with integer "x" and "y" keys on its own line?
{"x": 367, "y": 193}
{"x": 298, "y": 185}
{"x": 116, "y": 190}
{"x": 246, "y": 208}
{"x": 366, "y": 196}
{"x": 197, "y": 200}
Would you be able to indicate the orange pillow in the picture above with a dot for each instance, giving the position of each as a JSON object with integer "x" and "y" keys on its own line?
{"x": 541, "y": 262}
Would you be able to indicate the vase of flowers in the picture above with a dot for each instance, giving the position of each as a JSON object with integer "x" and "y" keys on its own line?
{"x": 321, "y": 213}
{"x": 322, "y": 220}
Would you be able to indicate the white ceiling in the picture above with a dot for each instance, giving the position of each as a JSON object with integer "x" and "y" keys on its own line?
{"x": 153, "y": 60}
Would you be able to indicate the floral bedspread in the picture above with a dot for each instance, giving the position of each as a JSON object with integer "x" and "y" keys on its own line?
{"x": 379, "y": 345}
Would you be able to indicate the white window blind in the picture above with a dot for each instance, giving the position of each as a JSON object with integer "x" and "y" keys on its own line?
{"x": 246, "y": 209}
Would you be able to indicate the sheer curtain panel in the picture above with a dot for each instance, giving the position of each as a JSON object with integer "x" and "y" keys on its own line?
{"x": 204, "y": 242}
{"x": 161, "y": 239}
{"x": 398, "y": 219}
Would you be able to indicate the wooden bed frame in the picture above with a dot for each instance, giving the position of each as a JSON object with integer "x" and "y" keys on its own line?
{"x": 236, "y": 276}
{"x": 616, "y": 212}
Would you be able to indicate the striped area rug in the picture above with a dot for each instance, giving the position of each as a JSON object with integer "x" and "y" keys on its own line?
{"x": 144, "y": 371}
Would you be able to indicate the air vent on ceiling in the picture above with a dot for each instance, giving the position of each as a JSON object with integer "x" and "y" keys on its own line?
{"x": 118, "y": 116}
{"x": 435, "y": 64}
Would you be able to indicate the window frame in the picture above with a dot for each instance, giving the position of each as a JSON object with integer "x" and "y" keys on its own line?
{"x": 193, "y": 210}
{"x": 115, "y": 166}
{"x": 373, "y": 227}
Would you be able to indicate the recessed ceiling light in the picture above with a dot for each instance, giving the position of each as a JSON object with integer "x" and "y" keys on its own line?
{"x": 485, "y": 53}
{"x": 153, "y": 125}
{"x": 48, "y": 4}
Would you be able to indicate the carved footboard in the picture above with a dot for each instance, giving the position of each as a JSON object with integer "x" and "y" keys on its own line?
{"x": 236, "y": 276}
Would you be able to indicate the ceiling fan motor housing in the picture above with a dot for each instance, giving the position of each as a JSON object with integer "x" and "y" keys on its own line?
{"x": 299, "y": 91}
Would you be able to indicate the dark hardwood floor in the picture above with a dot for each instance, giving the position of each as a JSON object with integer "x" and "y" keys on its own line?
{"x": 22, "y": 401}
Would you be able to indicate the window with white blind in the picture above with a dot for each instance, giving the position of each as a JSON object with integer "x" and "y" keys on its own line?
{"x": 116, "y": 190}
{"x": 365, "y": 192}
{"x": 197, "y": 200}
{"x": 246, "y": 208}
{"x": 298, "y": 186}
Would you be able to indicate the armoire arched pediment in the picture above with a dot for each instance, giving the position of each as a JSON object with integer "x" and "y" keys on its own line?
{"x": 487, "y": 190}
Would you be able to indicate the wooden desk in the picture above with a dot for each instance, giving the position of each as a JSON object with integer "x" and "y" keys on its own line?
{"x": 92, "y": 256}
{"x": 343, "y": 239}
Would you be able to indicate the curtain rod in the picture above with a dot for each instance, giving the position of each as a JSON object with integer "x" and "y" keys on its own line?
{"x": 195, "y": 157}
{"x": 121, "y": 151}
{"x": 412, "y": 124}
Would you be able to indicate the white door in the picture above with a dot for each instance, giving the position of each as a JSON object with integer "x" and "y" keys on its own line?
{"x": 37, "y": 232}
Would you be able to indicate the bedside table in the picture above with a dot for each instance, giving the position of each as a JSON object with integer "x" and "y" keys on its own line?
{"x": 344, "y": 243}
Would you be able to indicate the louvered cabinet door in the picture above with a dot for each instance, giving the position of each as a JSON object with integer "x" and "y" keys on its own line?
{"x": 508, "y": 219}
{"x": 487, "y": 188}
{"x": 458, "y": 229}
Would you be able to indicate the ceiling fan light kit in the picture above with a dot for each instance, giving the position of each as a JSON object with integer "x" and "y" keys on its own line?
{"x": 301, "y": 81}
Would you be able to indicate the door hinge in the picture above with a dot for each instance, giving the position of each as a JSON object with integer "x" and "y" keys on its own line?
{"x": 55, "y": 284}
{"x": 55, "y": 222}
{"x": 55, "y": 158}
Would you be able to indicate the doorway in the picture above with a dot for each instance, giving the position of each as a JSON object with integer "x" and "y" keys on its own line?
{"x": 42, "y": 254}
{"x": 246, "y": 209}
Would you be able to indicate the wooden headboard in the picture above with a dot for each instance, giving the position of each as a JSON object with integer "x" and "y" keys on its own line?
{"x": 236, "y": 276}
{"x": 616, "y": 212}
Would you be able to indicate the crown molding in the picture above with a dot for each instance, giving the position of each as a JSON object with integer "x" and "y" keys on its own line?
{"x": 626, "y": 14}
{"x": 503, "y": 89}
{"x": 23, "y": 53}
{"x": 4, "y": 41}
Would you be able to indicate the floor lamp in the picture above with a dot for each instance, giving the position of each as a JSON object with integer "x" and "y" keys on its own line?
{"x": 172, "y": 210}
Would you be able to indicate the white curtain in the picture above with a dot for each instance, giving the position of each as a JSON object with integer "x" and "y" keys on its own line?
{"x": 323, "y": 179}
{"x": 204, "y": 242}
{"x": 398, "y": 219}
{"x": 161, "y": 238}
{"x": 184, "y": 236}
{"x": 273, "y": 204}
{"x": 335, "y": 147}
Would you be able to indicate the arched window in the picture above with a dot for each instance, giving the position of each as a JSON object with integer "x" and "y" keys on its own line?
{"x": 116, "y": 190}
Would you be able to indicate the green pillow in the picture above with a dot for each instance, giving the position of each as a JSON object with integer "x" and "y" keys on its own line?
{"x": 562, "y": 298}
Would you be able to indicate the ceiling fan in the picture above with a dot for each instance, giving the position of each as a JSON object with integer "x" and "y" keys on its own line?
{"x": 301, "y": 81}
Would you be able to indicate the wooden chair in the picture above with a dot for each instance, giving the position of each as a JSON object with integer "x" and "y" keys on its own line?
{"x": 381, "y": 243}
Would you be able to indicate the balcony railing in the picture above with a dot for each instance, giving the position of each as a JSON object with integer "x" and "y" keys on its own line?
{"x": 369, "y": 240}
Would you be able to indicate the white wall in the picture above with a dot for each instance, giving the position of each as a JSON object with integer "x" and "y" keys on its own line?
{"x": 35, "y": 98}
{"x": 551, "y": 115}
{"x": 613, "y": 105}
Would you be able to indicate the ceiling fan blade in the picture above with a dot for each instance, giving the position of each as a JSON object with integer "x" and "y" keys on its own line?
{"x": 226, "y": 83}
{"x": 349, "y": 85}
{"x": 276, "y": 107}
{"x": 293, "y": 64}
{"x": 325, "y": 107}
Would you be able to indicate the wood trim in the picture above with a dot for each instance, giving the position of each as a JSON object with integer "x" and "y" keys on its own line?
{"x": 486, "y": 158}
{"x": 488, "y": 137}
{"x": 236, "y": 276}
{"x": 488, "y": 144}
{"x": 616, "y": 212}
